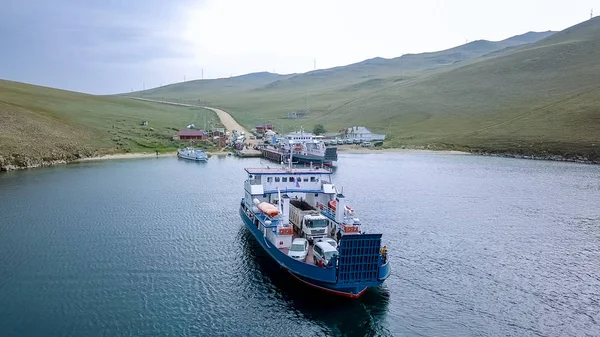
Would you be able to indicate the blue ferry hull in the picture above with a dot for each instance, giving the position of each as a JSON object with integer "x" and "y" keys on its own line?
{"x": 323, "y": 278}
{"x": 302, "y": 159}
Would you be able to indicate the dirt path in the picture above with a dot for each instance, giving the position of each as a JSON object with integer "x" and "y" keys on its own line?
{"x": 230, "y": 123}
{"x": 226, "y": 119}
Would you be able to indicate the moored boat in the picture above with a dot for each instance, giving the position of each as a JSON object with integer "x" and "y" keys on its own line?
{"x": 281, "y": 205}
{"x": 192, "y": 154}
{"x": 307, "y": 149}
{"x": 304, "y": 149}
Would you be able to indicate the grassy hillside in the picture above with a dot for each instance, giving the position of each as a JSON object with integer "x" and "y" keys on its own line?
{"x": 42, "y": 124}
{"x": 540, "y": 98}
{"x": 260, "y": 84}
{"x": 189, "y": 90}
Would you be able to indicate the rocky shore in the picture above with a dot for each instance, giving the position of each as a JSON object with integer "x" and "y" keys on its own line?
{"x": 17, "y": 162}
{"x": 573, "y": 159}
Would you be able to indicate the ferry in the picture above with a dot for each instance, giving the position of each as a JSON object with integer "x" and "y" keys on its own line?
{"x": 304, "y": 147}
{"x": 190, "y": 153}
{"x": 303, "y": 222}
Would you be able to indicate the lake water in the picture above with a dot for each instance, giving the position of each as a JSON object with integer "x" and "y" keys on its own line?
{"x": 479, "y": 246}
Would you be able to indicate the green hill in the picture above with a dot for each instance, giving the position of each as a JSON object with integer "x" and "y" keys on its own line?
{"x": 539, "y": 98}
{"x": 40, "y": 125}
{"x": 326, "y": 79}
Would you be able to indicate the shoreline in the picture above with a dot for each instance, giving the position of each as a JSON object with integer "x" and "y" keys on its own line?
{"x": 348, "y": 150}
{"x": 359, "y": 150}
{"x": 138, "y": 155}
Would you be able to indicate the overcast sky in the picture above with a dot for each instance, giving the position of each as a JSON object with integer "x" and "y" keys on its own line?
{"x": 113, "y": 46}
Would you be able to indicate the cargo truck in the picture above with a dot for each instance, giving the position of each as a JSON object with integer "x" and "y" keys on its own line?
{"x": 307, "y": 220}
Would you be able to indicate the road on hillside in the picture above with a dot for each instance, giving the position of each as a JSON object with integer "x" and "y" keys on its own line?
{"x": 228, "y": 122}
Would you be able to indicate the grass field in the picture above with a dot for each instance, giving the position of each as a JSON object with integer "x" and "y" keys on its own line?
{"x": 39, "y": 123}
{"x": 540, "y": 98}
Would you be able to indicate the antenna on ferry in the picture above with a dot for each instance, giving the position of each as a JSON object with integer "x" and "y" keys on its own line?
{"x": 279, "y": 202}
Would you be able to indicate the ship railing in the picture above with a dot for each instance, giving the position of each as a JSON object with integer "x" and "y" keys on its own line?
{"x": 328, "y": 213}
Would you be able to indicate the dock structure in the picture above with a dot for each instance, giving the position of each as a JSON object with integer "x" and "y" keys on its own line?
{"x": 247, "y": 153}
{"x": 272, "y": 154}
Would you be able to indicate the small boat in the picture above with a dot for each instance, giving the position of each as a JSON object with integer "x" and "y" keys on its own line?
{"x": 192, "y": 154}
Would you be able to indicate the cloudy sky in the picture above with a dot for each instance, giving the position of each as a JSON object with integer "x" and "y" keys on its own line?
{"x": 113, "y": 46}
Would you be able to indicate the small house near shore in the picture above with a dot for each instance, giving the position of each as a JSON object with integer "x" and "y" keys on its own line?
{"x": 263, "y": 128}
{"x": 192, "y": 134}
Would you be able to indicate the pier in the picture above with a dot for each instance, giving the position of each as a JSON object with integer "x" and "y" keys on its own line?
{"x": 248, "y": 153}
{"x": 272, "y": 154}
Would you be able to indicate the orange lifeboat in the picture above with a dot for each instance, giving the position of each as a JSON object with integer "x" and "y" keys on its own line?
{"x": 268, "y": 209}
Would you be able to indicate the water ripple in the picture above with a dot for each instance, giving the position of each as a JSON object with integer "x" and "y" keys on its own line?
{"x": 479, "y": 246}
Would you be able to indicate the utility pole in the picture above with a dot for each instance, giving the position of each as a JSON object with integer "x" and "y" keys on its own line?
{"x": 315, "y": 64}
{"x": 401, "y": 61}
{"x": 202, "y": 73}
{"x": 184, "y": 78}
{"x": 591, "y": 13}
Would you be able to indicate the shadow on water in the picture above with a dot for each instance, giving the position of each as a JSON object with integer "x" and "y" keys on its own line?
{"x": 338, "y": 316}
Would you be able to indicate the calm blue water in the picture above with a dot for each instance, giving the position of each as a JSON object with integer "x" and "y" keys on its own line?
{"x": 480, "y": 246}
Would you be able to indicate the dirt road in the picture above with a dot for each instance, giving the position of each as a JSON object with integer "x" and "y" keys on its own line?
{"x": 230, "y": 123}
{"x": 226, "y": 119}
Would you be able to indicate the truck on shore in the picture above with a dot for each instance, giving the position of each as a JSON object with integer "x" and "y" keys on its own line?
{"x": 307, "y": 220}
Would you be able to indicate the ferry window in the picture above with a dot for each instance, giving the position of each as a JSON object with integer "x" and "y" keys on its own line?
{"x": 305, "y": 180}
{"x": 313, "y": 179}
{"x": 291, "y": 179}
{"x": 277, "y": 179}
{"x": 269, "y": 179}
{"x": 284, "y": 179}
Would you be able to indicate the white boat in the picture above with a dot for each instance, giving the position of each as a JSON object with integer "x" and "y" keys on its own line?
{"x": 192, "y": 154}
{"x": 307, "y": 148}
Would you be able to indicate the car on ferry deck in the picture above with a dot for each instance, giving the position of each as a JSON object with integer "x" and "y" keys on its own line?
{"x": 323, "y": 252}
{"x": 299, "y": 249}
{"x": 330, "y": 241}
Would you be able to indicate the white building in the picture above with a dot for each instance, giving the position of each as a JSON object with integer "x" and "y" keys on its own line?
{"x": 362, "y": 133}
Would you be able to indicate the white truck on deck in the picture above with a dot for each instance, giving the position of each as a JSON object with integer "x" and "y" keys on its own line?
{"x": 307, "y": 220}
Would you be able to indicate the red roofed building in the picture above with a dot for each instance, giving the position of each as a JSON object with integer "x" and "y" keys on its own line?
{"x": 191, "y": 134}
{"x": 264, "y": 128}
